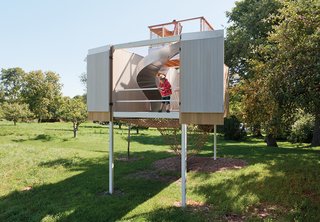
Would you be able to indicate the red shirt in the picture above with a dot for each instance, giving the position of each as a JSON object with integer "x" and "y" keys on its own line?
{"x": 165, "y": 88}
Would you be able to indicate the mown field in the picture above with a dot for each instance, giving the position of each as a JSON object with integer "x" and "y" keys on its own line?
{"x": 46, "y": 175}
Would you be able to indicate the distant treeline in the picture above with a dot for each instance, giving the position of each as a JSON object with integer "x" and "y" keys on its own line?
{"x": 37, "y": 95}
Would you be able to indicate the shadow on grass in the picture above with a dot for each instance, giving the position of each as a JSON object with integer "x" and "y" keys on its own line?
{"x": 288, "y": 188}
{"x": 8, "y": 125}
{"x": 63, "y": 130}
{"x": 40, "y": 137}
{"x": 44, "y": 137}
{"x": 254, "y": 151}
{"x": 74, "y": 164}
{"x": 83, "y": 197}
{"x": 94, "y": 127}
{"x": 190, "y": 213}
{"x": 280, "y": 183}
{"x": 157, "y": 140}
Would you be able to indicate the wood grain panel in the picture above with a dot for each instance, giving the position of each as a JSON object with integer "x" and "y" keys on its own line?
{"x": 202, "y": 118}
{"x": 99, "y": 116}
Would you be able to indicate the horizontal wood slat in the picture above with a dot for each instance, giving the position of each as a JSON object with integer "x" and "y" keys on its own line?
{"x": 99, "y": 116}
{"x": 202, "y": 118}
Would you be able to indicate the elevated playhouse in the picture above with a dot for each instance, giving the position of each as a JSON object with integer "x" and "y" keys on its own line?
{"x": 123, "y": 85}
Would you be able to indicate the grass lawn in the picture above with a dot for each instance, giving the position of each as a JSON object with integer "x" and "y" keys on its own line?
{"x": 46, "y": 175}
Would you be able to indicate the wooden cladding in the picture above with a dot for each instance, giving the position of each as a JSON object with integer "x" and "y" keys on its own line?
{"x": 99, "y": 116}
{"x": 202, "y": 118}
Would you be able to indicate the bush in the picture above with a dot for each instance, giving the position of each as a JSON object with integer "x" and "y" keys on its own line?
{"x": 233, "y": 129}
{"x": 302, "y": 129}
{"x": 283, "y": 132}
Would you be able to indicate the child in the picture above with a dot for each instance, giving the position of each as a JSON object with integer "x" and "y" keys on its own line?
{"x": 165, "y": 91}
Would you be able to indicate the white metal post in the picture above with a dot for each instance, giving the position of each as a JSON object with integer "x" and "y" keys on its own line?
{"x": 111, "y": 166}
{"x": 129, "y": 138}
{"x": 215, "y": 142}
{"x": 183, "y": 164}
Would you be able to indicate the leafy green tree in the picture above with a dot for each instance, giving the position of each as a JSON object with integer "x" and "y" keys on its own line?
{"x": 258, "y": 108}
{"x": 15, "y": 112}
{"x": 293, "y": 61}
{"x": 75, "y": 111}
{"x": 83, "y": 79}
{"x": 247, "y": 33}
{"x": 11, "y": 82}
{"x": 83, "y": 98}
{"x": 54, "y": 95}
{"x": 42, "y": 91}
{"x": 2, "y": 94}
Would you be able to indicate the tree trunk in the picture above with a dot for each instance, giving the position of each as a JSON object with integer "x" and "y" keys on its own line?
{"x": 15, "y": 123}
{"x": 74, "y": 133}
{"x": 316, "y": 132}
{"x": 271, "y": 141}
{"x": 75, "y": 130}
{"x": 77, "y": 126}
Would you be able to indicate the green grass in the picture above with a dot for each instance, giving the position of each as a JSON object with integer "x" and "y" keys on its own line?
{"x": 69, "y": 178}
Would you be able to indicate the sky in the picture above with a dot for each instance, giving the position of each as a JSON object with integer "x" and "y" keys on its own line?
{"x": 55, "y": 35}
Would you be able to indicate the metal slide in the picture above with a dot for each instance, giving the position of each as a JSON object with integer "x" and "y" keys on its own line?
{"x": 149, "y": 66}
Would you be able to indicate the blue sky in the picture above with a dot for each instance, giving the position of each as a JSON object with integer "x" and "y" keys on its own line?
{"x": 56, "y": 34}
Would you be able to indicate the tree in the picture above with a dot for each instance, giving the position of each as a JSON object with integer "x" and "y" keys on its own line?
{"x": 245, "y": 36}
{"x": 11, "y": 81}
{"x": 15, "y": 112}
{"x": 2, "y": 94}
{"x": 294, "y": 60}
{"x": 54, "y": 95}
{"x": 42, "y": 91}
{"x": 83, "y": 79}
{"x": 258, "y": 108}
{"x": 75, "y": 111}
{"x": 83, "y": 98}
{"x": 248, "y": 31}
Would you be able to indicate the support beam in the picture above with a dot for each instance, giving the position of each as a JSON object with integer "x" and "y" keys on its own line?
{"x": 129, "y": 140}
{"x": 147, "y": 115}
{"x": 148, "y": 42}
{"x": 215, "y": 142}
{"x": 183, "y": 164}
{"x": 111, "y": 166}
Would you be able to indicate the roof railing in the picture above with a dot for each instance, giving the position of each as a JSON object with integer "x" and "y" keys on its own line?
{"x": 175, "y": 27}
